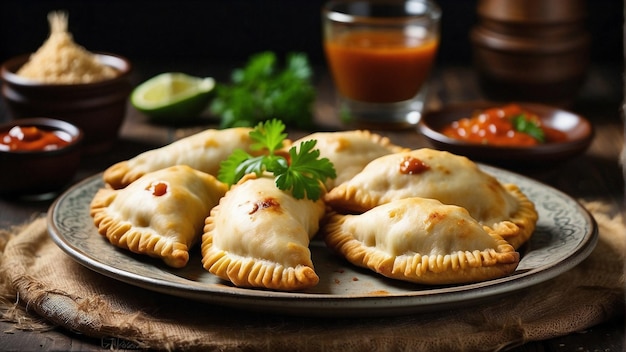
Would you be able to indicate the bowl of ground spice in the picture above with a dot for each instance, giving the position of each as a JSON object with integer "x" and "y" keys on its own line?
{"x": 63, "y": 80}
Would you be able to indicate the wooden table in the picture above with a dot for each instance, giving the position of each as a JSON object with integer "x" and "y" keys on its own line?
{"x": 596, "y": 175}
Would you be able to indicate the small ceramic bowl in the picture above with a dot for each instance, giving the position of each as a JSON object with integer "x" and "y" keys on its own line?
{"x": 578, "y": 132}
{"x": 96, "y": 108}
{"x": 36, "y": 173}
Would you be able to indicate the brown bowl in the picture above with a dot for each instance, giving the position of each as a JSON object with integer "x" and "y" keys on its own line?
{"x": 530, "y": 69}
{"x": 531, "y": 50}
{"x": 578, "y": 131}
{"x": 96, "y": 108}
{"x": 40, "y": 172}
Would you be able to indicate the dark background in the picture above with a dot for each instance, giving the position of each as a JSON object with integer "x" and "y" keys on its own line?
{"x": 231, "y": 30}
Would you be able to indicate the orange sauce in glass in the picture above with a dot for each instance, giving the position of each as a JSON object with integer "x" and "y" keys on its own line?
{"x": 495, "y": 127}
{"x": 379, "y": 66}
{"x": 31, "y": 138}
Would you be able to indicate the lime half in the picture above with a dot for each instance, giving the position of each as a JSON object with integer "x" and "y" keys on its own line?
{"x": 173, "y": 97}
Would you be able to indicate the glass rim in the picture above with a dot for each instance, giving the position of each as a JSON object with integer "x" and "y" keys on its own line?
{"x": 330, "y": 13}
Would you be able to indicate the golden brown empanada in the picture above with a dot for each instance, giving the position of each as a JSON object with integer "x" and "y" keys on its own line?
{"x": 449, "y": 178}
{"x": 350, "y": 151}
{"x": 421, "y": 240}
{"x": 203, "y": 151}
{"x": 161, "y": 214}
{"x": 258, "y": 236}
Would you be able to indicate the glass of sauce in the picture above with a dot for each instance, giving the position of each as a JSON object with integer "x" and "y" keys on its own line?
{"x": 380, "y": 54}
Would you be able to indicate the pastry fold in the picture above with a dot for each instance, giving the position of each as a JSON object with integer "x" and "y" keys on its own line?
{"x": 258, "y": 236}
{"x": 350, "y": 151}
{"x": 161, "y": 214}
{"x": 203, "y": 151}
{"x": 421, "y": 240}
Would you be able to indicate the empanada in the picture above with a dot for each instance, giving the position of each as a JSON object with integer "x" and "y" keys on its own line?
{"x": 258, "y": 236}
{"x": 203, "y": 151}
{"x": 161, "y": 214}
{"x": 449, "y": 178}
{"x": 350, "y": 151}
{"x": 421, "y": 240}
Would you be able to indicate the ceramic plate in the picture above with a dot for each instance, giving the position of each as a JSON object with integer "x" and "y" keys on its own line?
{"x": 566, "y": 234}
{"x": 578, "y": 132}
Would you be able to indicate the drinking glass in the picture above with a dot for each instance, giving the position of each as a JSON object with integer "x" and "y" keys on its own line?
{"x": 380, "y": 54}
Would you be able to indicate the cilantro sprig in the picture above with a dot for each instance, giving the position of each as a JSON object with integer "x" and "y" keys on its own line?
{"x": 303, "y": 174}
{"x": 531, "y": 128}
{"x": 262, "y": 90}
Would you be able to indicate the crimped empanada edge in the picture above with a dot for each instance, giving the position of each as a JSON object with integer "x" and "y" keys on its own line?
{"x": 117, "y": 176}
{"x": 251, "y": 272}
{"x": 465, "y": 266}
{"x": 122, "y": 235}
{"x": 519, "y": 228}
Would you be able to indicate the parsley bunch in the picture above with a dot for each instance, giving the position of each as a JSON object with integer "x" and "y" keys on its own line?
{"x": 261, "y": 90}
{"x": 303, "y": 174}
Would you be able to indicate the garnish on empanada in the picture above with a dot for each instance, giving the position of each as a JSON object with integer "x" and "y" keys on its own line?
{"x": 258, "y": 236}
{"x": 421, "y": 240}
{"x": 203, "y": 151}
{"x": 160, "y": 214}
{"x": 297, "y": 168}
{"x": 350, "y": 151}
{"x": 449, "y": 178}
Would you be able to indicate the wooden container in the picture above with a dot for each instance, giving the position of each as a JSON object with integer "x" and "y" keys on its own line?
{"x": 97, "y": 108}
{"x": 531, "y": 50}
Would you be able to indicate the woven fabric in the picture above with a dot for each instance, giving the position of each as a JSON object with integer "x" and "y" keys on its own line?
{"x": 38, "y": 280}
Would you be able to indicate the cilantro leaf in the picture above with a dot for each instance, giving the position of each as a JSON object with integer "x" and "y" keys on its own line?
{"x": 304, "y": 175}
{"x": 306, "y": 171}
{"x": 268, "y": 135}
{"x": 261, "y": 90}
{"x": 531, "y": 128}
{"x": 238, "y": 164}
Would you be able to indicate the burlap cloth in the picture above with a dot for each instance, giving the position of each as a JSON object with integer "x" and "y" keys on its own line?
{"x": 40, "y": 280}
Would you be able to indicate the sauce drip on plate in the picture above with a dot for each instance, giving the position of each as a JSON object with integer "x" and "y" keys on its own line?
{"x": 31, "y": 138}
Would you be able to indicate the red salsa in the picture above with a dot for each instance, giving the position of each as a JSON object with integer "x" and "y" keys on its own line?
{"x": 31, "y": 138}
{"x": 510, "y": 125}
{"x": 158, "y": 188}
{"x": 413, "y": 166}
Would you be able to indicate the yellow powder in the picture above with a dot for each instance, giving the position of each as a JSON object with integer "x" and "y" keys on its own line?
{"x": 61, "y": 61}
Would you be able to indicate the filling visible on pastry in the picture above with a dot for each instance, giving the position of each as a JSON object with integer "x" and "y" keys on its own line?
{"x": 449, "y": 178}
{"x": 202, "y": 151}
{"x": 421, "y": 240}
{"x": 258, "y": 236}
{"x": 161, "y": 214}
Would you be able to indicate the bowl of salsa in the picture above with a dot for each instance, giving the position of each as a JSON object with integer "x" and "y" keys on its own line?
{"x": 39, "y": 156}
{"x": 515, "y": 134}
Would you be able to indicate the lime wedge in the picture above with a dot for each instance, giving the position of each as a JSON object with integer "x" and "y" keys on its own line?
{"x": 173, "y": 97}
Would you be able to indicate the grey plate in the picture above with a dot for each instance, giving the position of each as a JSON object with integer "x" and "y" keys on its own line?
{"x": 566, "y": 234}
